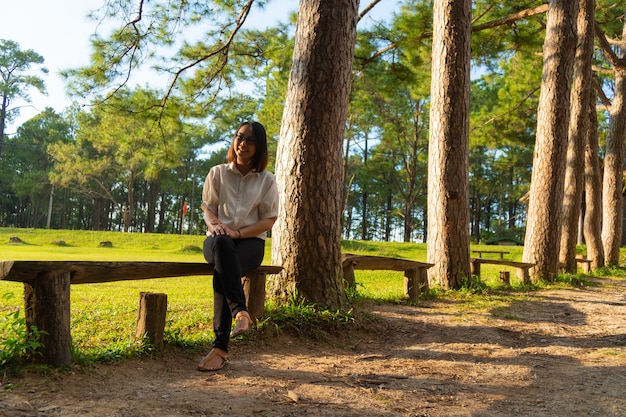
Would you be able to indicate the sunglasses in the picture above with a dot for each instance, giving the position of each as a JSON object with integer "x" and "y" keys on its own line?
{"x": 250, "y": 140}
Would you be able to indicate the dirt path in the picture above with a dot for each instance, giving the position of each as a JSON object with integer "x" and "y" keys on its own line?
{"x": 549, "y": 353}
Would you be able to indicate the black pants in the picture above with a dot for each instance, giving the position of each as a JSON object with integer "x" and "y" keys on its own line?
{"x": 233, "y": 259}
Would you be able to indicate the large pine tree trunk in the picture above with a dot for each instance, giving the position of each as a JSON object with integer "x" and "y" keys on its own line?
{"x": 448, "y": 156}
{"x": 307, "y": 235}
{"x": 613, "y": 169}
{"x": 593, "y": 197}
{"x": 578, "y": 129}
{"x": 543, "y": 229}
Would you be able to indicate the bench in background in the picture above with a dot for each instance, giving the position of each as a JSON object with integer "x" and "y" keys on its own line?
{"x": 47, "y": 291}
{"x": 500, "y": 252}
{"x": 584, "y": 262}
{"x": 522, "y": 268}
{"x": 415, "y": 273}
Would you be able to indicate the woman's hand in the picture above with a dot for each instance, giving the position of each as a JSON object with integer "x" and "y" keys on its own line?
{"x": 218, "y": 228}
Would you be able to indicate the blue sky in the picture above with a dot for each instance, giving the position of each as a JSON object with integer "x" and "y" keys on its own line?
{"x": 59, "y": 31}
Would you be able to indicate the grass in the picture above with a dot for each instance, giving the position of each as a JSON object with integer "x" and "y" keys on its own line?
{"x": 103, "y": 316}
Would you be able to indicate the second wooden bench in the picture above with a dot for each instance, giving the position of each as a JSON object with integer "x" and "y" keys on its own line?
{"x": 415, "y": 273}
{"x": 522, "y": 268}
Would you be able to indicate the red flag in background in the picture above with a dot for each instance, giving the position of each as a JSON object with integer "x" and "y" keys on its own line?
{"x": 185, "y": 208}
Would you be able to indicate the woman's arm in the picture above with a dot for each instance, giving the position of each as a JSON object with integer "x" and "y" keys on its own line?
{"x": 255, "y": 229}
{"x": 215, "y": 226}
{"x": 218, "y": 228}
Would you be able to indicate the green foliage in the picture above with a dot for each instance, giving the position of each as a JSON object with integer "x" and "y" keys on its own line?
{"x": 473, "y": 285}
{"x": 572, "y": 280}
{"x": 613, "y": 271}
{"x": 303, "y": 319}
{"x": 17, "y": 77}
{"x": 16, "y": 342}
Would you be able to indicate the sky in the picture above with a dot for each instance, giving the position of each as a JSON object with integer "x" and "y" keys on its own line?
{"x": 59, "y": 31}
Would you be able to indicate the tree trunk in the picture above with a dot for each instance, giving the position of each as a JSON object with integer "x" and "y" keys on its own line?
{"x": 129, "y": 213}
{"x": 364, "y": 215}
{"x": 98, "y": 210}
{"x": 578, "y": 129}
{"x": 448, "y": 159}
{"x": 512, "y": 204}
{"x": 153, "y": 191}
{"x": 613, "y": 169}
{"x": 47, "y": 302}
{"x": 307, "y": 235}
{"x": 387, "y": 218}
{"x": 3, "y": 117}
{"x": 365, "y": 195}
{"x": 593, "y": 197}
{"x": 543, "y": 229}
{"x": 161, "y": 226}
{"x": 477, "y": 215}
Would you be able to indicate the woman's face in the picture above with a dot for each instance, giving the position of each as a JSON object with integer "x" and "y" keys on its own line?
{"x": 245, "y": 144}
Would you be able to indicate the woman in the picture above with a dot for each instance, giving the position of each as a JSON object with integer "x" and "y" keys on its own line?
{"x": 240, "y": 204}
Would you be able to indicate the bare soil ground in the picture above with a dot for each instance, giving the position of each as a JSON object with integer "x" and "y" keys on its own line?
{"x": 547, "y": 353}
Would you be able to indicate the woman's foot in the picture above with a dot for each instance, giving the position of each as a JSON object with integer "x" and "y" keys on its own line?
{"x": 214, "y": 361}
{"x": 242, "y": 323}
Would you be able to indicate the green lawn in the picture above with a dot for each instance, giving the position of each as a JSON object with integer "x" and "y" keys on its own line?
{"x": 104, "y": 315}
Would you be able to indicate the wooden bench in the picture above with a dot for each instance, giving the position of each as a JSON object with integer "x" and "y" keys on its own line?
{"x": 521, "y": 267}
{"x": 415, "y": 273}
{"x": 47, "y": 291}
{"x": 480, "y": 252}
{"x": 585, "y": 265}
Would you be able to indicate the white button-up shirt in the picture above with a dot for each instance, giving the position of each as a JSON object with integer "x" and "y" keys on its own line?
{"x": 238, "y": 200}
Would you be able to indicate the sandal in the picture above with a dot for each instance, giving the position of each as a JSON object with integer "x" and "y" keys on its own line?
{"x": 242, "y": 323}
{"x": 215, "y": 356}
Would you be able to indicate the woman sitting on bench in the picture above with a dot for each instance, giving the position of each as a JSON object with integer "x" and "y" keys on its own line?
{"x": 240, "y": 204}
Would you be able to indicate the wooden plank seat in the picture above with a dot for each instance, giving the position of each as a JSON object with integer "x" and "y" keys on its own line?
{"x": 415, "y": 273}
{"x": 47, "y": 291}
{"x": 490, "y": 251}
{"x": 522, "y": 268}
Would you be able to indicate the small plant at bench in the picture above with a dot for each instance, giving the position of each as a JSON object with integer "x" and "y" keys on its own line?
{"x": 17, "y": 343}
{"x": 473, "y": 285}
{"x": 303, "y": 318}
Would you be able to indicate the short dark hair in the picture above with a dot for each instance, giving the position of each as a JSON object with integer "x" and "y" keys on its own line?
{"x": 261, "y": 156}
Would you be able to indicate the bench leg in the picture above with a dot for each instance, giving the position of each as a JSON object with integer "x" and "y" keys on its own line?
{"x": 151, "y": 318}
{"x": 349, "y": 281}
{"x": 415, "y": 283}
{"x": 523, "y": 275}
{"x": 254, "y": 290}
{"x": 586, "y": 267}
{"x": 475, "y": 269}
{"x": 47, "y": 302}
{"x": 505, "y": 278}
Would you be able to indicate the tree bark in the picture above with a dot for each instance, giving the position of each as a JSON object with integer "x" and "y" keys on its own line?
{"x": 543, "y": 227}
{"x": 448, "y": 159}
{"x": 307, "y": 235}
{"x": 592, "y": 222}
{"x": 578, "y": 129}
{"x": 612, "y": 216}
